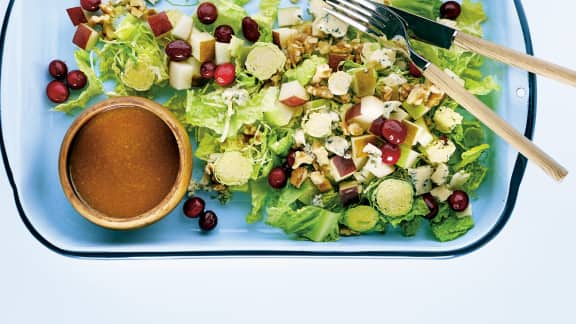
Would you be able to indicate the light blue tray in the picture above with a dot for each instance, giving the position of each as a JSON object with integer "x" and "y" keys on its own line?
{"x": 35, "y": 32}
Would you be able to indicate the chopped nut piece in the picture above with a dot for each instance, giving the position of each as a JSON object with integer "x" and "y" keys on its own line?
{"x": 321, "y": 153}
{"x": 320, "y": 92}
{"x": 404, "y": 91}
{"x": 436, "y": 96}
{"x": 301, "y": 158}
{"x": 386, "y": 93}
{"x": 298, "y": 177}
{"x": 323, "y": 47}
{"x": 419, "y": 95}
{"x": 323, "y": 72}
{"x": 320, "y": 181}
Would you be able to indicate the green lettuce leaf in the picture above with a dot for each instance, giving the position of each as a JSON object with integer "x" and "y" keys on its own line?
{"x": 208, "y": 144}
{"x": 419, "y": 208}
{"x": 229, "y": 13}
{"x": 451, "y": 228}
{"x": 471, "y": 155}
{"x": 259, "y": 190}
{"x": 266, "y": 18}
{"x": 410, "y": 228}
{"x": 93, "y": 89}
{"x": 310, "y": 222}
{"x": 471, "y": 17}
{"x": 426, "y": 8}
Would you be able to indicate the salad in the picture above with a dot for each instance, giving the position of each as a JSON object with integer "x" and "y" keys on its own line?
{"x": 332, "y": 132}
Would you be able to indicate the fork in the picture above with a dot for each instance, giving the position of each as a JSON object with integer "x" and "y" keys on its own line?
{"x": 386, "y": 23}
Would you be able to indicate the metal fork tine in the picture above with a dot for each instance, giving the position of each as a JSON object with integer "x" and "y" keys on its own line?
{"x": 366, "y": 4}
{"x": 352, "y": 15}
{"x": 352, "y": 22}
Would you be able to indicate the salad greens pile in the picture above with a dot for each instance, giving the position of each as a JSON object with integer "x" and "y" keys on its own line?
{"x": 292, "y": 108}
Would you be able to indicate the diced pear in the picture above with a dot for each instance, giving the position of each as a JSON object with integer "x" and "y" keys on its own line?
{"x": 426, "y": 136}
{"x": 85, "y": 37}
{"x": 160, "y": 24}
{"x": 408, "y": 157}
{"x": 203, "y": 46}
{"x": 77, "y": 15}
{"x": 183, "y": 28}
{"x": 358, "y": 144}
{"x": 289, "y": 16}
{"x": 293, "y": 94}
{"x": 280, "y": 115}
{"x": 416, "y": 112}
{"x": 222, "y": 51}
{"x": 412, "y": 134}
{"x": 364, "y": 82}
{"x": 341, "y": 168}
{"x": 282, "y": 35}
{"x": 184, "y": 74}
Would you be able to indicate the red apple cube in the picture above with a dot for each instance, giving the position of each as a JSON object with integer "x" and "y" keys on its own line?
{"x": 293, "y": 94}
{"x": 160, "y": 24}
{"x": 341, "y": 168}
{"x": 85, "y": 37}
{"x": 77, "y": 15}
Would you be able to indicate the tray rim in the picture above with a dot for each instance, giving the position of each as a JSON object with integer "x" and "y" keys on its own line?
{"x": 517, "y": 176}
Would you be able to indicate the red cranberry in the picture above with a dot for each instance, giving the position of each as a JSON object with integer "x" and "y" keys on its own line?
{"x": 58, "y": 69}
{"x": 194, "y": 207}
{"x": 459, "y": 200}
{"x": 394, "y": 131}
{"x": 208, "y": 220}
{"x": 225, "y": 74}
{"x": 250, "y": 29}
{"x": 223, "y": 33}
{"x": 277, "y": 178}
{"x": 415, "y": 71}
{"x": 450, "y": 10}
{"x": 90, "y": 5}
{"x": 178, "y": 50}
{"x": 57, "y": 91}
{"x": 76, "y": 79}
{"x": 432, "y": 205}
{"x": 207, "y": 13}
{"x": 390, "y": 153}
{"x": 207, "y": 70}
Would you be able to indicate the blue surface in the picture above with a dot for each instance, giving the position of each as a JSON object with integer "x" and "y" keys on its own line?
{"x": 32, "y": 135}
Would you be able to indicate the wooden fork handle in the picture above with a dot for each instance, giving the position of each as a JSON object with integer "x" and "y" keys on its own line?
{"x": 495, "y": 122}
{"x": 515, "y": 58}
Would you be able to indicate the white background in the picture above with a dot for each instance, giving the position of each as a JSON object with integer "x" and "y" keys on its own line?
{"x": 526, "y": 275}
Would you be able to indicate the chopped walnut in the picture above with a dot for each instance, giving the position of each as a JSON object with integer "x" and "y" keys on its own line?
{"x": 436, "y": 96}
{"x": 320, "y": 152}
{"x": 107, "y": 9}
{"x": 403, "y": 91}
{"x": 98, "y": 20}
{"x": 320, "y": 92}
{"x": 419, "y": 95}
{"x": 341, "y": 47}
{"x": 298, "y": 177}
{"x": 347, "y": 98}
{"x": 323, "y": 72}
{"x": 386, "y": 93}
{"x": 320, "y": 181}
{"x": 323, "y": 47}
{"x": 301, "y": 158}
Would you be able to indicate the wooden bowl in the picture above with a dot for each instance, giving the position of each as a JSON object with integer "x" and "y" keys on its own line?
{"x": 167, "y": 204}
